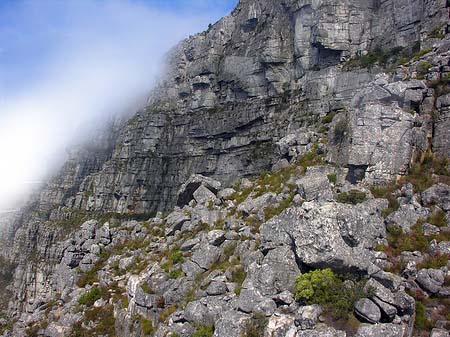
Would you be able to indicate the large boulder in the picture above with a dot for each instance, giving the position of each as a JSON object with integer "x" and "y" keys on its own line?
{"x": 367, "y": 310}
{"x": 431, "y": 280}
{"x": 439, "y": 195}
{"x": 327, "y": 235}
{"x": 186, "y": 192}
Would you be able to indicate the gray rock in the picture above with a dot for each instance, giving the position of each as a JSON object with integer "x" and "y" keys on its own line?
{"x": 259, "y": 204}
{"x": 405, "y": 303}
{"x": 204, "y": 196}
{"x": 367, "y": 310}
{"x": 216, "y": 237}
{"x": 407, "y": 216}
{"x": 430, "y": 279}
{"x": 216, "y": 288}
{"x": 226, "y": 193}
{"x": 429, "y": 229}
{"x": 230, "y": 324}
{"x": 308, "y": 316}
{"x": 205, "y": 255}
{"x": 439, "y": 333}
{"x": 198, "y": 313}
{"x": 439, "y": 195}
{"x": 175, "y": 221}
{"x": 381, "y": 330}
{"x": 189, "y": 244}
{"x": 326, "y": 235}
{"x": 186, "y": 192}
{"x": 321, "y": 332}
{"x": 315, "y": 185}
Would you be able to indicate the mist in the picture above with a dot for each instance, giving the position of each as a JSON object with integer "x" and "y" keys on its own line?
{"x": 65, "y": 63}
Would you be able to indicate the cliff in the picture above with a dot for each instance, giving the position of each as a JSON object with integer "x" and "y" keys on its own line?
{"x": 359, "y": 88}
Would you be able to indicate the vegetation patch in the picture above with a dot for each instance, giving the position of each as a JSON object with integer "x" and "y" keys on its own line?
{"x": 93, "y": 295}
{"x": 353, "y": 197}
{"x": 203, "y": 331}
{"x": 331, "y": 291}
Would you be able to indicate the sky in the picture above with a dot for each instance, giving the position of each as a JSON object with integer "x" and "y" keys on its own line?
{"x": 65, "y": 62}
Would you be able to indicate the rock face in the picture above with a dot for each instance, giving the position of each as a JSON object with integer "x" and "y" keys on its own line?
{"x": 273, "y": 82}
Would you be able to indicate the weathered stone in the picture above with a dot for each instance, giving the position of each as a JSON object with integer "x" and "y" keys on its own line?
{"x": 430, "y": 279}
{"x": 315, "y": 185}
{"x": 187, "y": 191}
{"x": 326, "y": 235}
{"x": 381, "y": 330}
{"x": 439, "y": 195}
{"x": 308, "y": 316}
{"x": 367, "y": 310}
{"x": 204, "y": 196}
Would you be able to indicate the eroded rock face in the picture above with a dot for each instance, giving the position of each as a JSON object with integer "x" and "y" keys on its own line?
{"x": 244, "y": 95}
{"x": 328, "y": 234}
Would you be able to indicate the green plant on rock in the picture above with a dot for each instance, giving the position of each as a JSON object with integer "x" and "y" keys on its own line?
{"x": 423, "y": 68}
{"x": 332, "y": 178}
{"x": 92, "y": 295}
{"x": 422, "y": 322}
{"x": 203, "y": 331}
{"x": 326, "y": 288}
{"x": 353, "y": 197}
{"x": 147, "y": 327}
{"x": 176, "y": 256}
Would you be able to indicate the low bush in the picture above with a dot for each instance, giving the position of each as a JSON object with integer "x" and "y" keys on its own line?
{"x": 326, "y": 288}
{"x": 352, "y": 197}
{"x": 203, "y": 331}
{"x": 147, "y": 327}
{"x": 332, "y": 178}
{"x": 92, "y": 295}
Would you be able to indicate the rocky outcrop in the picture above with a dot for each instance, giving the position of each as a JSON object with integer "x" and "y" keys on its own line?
{"x": 276, "y": 84}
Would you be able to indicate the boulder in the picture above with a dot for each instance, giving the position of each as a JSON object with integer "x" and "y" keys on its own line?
{"x": 431, "y": 280}
{"x": 367, "y": 310}
{"x": 326, "y": 235}
{"x": 381, "y": 330}
{"x": 204, "y": 196}
{"x": 314, "y": 185}
{"x": 186, "y": 192}
{"x": 231, "y": 324}
{"x": 439, "y": 195}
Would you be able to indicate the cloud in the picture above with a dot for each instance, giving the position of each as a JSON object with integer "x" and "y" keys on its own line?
{"x": 64, "y": 63}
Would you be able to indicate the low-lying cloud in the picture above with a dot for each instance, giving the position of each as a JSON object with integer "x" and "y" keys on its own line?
{"x": 65, "y": 63}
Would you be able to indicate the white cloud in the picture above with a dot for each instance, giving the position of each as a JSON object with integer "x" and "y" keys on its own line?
{"x": 99, "y": 58}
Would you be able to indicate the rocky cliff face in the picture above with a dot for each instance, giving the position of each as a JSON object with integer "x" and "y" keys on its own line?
{"x": 362, "y": 85}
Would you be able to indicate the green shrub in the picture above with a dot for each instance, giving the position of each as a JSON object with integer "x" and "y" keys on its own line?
{"x": 352, "y": 197}
{"x": 238, "y": 276}
{"x": 91, "y": 296}
{"x": 433, "y": 262}
{"x": 423, "y": 67}
{"x": 332, "y": 178}
{"x": 203, "y": 331}
{"x": 175, "y": 273}
{"x": 147, "y": 327}
{"x": 147, "y": 289}
{"x": 176, "y": 256}
{"x": 327, "y": 289}
{"x": 328, "y": 118}
{"x": 422, "y": 322}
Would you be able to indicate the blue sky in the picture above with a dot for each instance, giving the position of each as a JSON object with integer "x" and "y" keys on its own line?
{"x": 64, "y": 63}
